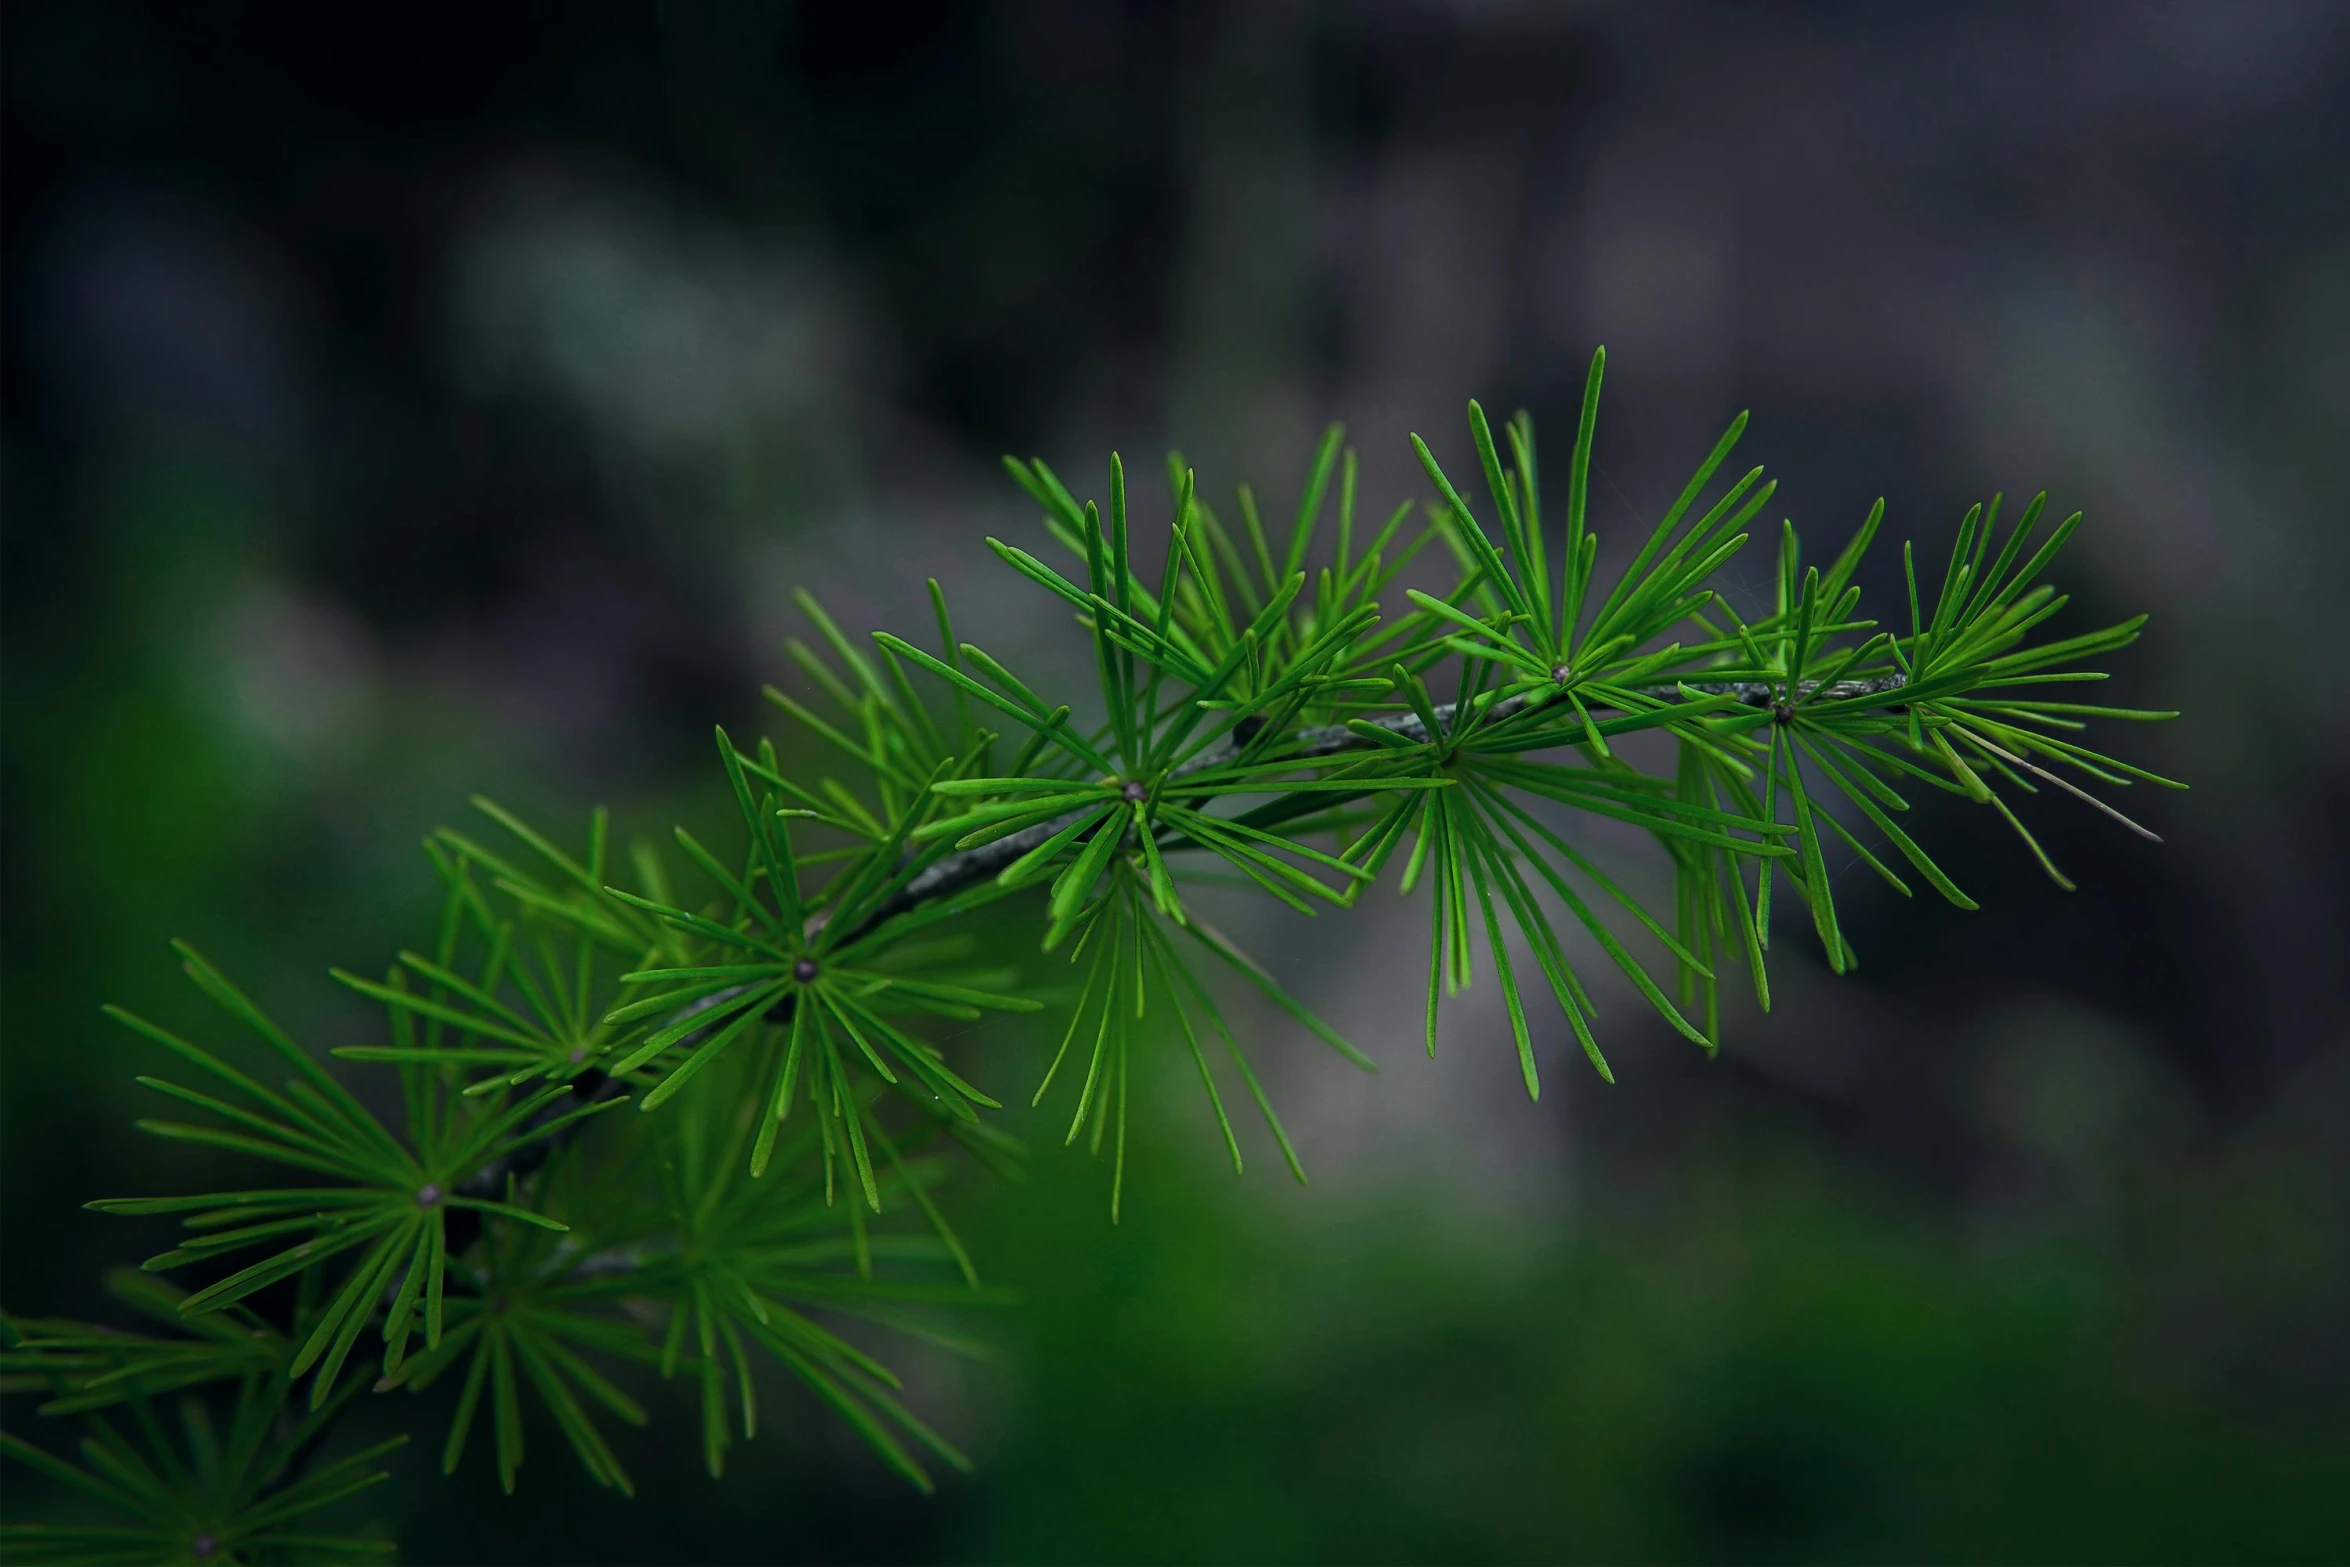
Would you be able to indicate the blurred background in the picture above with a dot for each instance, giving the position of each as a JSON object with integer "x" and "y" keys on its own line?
{"x": 408, "y": 401}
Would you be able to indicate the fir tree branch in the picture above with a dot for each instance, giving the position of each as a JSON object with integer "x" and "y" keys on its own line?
{"x": 542, "y": 965}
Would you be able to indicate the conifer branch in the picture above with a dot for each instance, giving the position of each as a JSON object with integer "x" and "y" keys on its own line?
{"x": 770, "y": 1023}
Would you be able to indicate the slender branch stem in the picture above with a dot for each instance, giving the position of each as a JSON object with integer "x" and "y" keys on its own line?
{"x": 958, "y": 871}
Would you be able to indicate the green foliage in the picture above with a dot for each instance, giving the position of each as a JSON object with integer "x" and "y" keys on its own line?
{"x": 1265, "y": 716}
{"x": 203, "y": 1493}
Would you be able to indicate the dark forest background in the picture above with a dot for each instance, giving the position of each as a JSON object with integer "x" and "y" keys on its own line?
{"x": 401, "y": 401}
